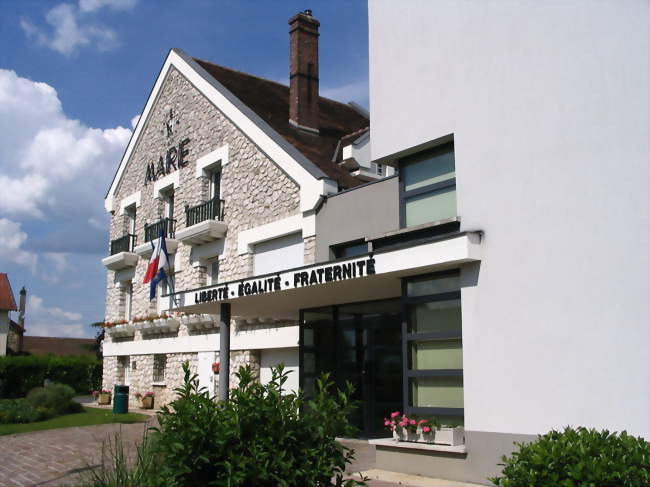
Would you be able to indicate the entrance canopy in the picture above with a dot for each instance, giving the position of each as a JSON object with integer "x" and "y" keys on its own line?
{"x": 280, "y": 296}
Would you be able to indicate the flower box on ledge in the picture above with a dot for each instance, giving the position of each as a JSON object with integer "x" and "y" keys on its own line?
{"x": 158, "y": 325}
{"x": 122, "y": 330}
{"x": 104, "y": 398}
{"x": 441, "y": 436}
{"x": 198, "y": 322}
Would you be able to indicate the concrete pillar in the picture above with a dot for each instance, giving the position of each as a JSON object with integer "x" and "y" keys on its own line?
{"x": 224, "y": 352}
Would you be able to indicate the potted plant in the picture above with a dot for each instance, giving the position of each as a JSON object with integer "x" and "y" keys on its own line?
{"x": 104, "y": 397}
{"x": 146, "y": 399}
{"x": 406, "y": 428}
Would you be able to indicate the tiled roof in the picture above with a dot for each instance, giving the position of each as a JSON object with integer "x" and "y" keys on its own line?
{"x": 58, "y": 346}
{"x": 7, "y": 301}
{"x": 270, "y": 101}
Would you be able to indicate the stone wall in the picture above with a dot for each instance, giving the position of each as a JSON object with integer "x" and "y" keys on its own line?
{"x": 255, "y": 191}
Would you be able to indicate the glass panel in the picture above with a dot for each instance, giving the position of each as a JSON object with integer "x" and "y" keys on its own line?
{"x": 428, "y": 170}
{"x": 308, "y": 337}
{"x": 309, "y": 363}
{"x": 437, "y": 354}
{"x": 430, "y": 207}
{"x": 437, "y": 392}
{"x": 424, "y": 286}
{"x": 438, "y": 316}
{"x": 351, "y": 250}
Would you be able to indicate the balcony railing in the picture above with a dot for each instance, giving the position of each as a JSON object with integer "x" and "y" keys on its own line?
{"x": 210, "y": 210}
{"x": 152, "y": 232}
{"x": 125, "y": 243}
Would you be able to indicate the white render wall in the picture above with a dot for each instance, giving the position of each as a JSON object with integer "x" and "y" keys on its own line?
{"x": 548, "y": 103}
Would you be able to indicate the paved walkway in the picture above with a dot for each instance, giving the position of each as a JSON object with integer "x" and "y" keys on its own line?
{"x": 57, "y": 457}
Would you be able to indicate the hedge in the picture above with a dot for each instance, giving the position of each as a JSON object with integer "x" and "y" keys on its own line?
{"x": 20, "y": 374}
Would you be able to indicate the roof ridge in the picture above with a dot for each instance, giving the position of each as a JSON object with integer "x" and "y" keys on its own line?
{"x": 347, "y": 105}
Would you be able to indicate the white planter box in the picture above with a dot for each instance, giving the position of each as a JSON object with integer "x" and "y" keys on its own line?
{"x": 450, "y": 436}
{"x": 124, "y": 330}
{"x": 441, "y": 436}
{"x": 198, "y": 322}
{"x": 166, "y": 325}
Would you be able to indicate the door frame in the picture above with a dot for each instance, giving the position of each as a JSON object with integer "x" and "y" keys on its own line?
{"x": 368, "y": 382}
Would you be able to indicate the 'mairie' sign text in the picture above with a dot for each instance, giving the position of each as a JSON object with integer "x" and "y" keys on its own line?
{"x": 292, "y": 280}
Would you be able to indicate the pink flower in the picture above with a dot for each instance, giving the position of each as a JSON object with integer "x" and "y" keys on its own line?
{"x": 394, "y": 415}
{"x": 422, "y": 421}
{"x": 426, "y": 429}
{"x": 412, "y": 422}
{"x": 386, "y": 422}
{"x": 403, "y": 423}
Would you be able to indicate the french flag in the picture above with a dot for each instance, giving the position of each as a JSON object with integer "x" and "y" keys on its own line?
{"x": 157, "y": 264}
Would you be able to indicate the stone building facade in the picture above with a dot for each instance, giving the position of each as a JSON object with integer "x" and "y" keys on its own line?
{"x": 205, "y": 123}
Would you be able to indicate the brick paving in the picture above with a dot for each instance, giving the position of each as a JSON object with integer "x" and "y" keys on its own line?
{"x": 56, "y": 457}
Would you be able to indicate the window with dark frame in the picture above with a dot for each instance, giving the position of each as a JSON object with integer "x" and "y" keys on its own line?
{"x": 159, "y": 366}
{"x": 428, "y": 186}
{"x": 349, "y": 249}
{"x": 432, "y": 347}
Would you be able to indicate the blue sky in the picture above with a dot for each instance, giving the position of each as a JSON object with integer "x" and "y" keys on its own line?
{"x": 74, "y": 74}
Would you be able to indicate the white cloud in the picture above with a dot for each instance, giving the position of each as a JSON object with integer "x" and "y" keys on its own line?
{"x": 42, "y": 320}
{"x": 11, "y": 241}
{"x": 49, "y": 163}
{"x": 54, "y": 171}
{"x": 92, "y": 5}
{"x": 58, "y": 260}
{"x": 134, "y": 121}
{"x": 356, "y": 91}
{"x": 35, "y": 306}
{"x": 71, "y": 29}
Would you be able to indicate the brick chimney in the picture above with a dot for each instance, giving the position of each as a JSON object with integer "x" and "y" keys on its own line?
{"x": 21, "y": 306}
{"x": 303, "y": 71}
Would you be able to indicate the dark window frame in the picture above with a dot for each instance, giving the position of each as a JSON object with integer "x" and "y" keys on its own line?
{"x": 337, "y": 249}
{"x": 413, "y": 159}
{"x": 408, "y": 337}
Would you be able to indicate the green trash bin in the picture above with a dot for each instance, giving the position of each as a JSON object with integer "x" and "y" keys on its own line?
{"x": 121, "y": 399}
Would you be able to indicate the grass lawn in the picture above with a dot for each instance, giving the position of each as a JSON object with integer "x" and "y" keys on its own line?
{"x": 89, "y": 416}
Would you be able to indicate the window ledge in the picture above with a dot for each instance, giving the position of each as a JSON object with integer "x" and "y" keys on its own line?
{"x": 415, "y": 228}
{"x": 408, "y": 445}
{"x": 159, "y": 384}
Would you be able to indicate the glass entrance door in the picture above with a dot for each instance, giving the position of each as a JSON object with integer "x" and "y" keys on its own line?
{"x": 359, "y": 343}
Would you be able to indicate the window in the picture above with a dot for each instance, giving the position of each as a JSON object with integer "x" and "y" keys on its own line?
{"x": 278, "y": 254}
{"x": 159, "y": 365}
{"x": 123, "y": 370}
{"x": 130, "y": 213}
{"x": 434, "y": 361}
{"x": 168, "y": 200}
{"x": 215, "y": 184}
{"x": 128, "y": 301}
{"x": 167, "y": 302}
{"x": 349, "y": 249}
{"x": 428, "y": 186}
{"x": 213, "y": 272}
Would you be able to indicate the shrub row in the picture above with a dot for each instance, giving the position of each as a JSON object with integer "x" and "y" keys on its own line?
{"x": 263, "y": 436}
{"x": 578, "y": 457}
{"x": 20, "y": 374}
{"x": 41, "y": 403}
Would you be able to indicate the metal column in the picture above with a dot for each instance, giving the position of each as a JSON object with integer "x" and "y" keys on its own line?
{"x": 224, "y": 352}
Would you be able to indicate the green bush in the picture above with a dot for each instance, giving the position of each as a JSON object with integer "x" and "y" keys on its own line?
{"x": 21, "y": 411}
{"x": 55, "y": 397}
{"x": 259, "y": 437}
{"x": 578, "y": 458}
{"x": 20, "y": 374}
